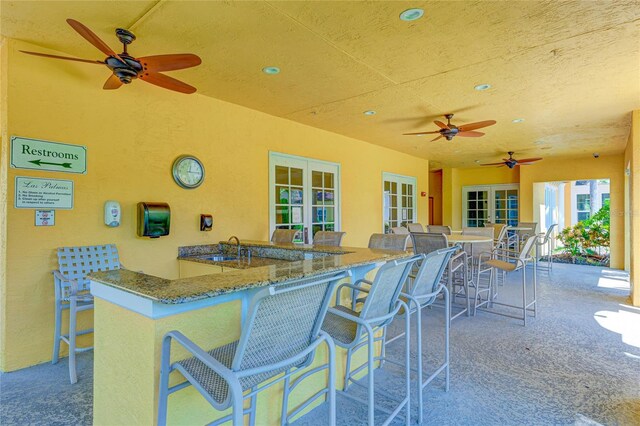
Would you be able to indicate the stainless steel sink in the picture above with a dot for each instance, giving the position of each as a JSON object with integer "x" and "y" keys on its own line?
{"x": 219, "y": 258}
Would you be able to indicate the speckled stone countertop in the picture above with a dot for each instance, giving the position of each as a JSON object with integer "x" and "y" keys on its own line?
{"x": 185, "y": 290}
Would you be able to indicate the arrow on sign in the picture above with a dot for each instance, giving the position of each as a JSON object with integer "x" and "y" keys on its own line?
{"x": 39, "y": 162}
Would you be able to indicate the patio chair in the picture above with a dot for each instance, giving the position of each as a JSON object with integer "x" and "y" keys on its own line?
{"x": 439, "y": 229}
{"x": 415, "y": 227}
{"x": 328, "y": 238}
{"x": 389, "y": 241}
{"x": 401, "y": 230}
{"x": 268, "y": 346}
{"x": 353, "y": 330}
{"x": 423, "y": 291}
{"x": 546, "y": 240}
{"x": 507, "y": 261}
{"x": 72, "y": 293}
{"x": 524, "y": 235}
{"x": 456, "y": 273}
{"x": 284, "y": 235}
{"x": 474, "y": 250}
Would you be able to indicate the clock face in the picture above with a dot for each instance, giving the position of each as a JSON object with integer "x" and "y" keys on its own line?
{"x": 188, "y": 172}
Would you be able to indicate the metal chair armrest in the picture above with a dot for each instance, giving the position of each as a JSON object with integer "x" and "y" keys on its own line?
{"x": 73, "y": 284}
{"x": 351, "y": 286}
{"x": 197, "y": 352}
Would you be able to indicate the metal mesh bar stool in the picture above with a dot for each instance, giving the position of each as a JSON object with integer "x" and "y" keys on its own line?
{"x": 389, "y": 241}
{"x": 423, "y": 291}
{"x": 415, "y": 227}
{"x": 439, "y": 229}
{"x": 284, "y": 235}
{"x": 457, "y": 271}
{"x": 268, "y": 346}
{"x": 72, "y": 293}
{"x": 506, "y": 261}
{"x": 328, "y": 238}
{"x": 401, "y": 230}
{"x": 546, "y": 239}
{"x": 353, "y": 330}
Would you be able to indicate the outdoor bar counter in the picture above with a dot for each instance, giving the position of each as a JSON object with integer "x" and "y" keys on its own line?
{"x": 133, "y": 311}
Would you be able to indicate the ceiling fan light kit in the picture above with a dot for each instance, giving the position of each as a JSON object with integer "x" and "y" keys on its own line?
{"x": 126, "y": 68}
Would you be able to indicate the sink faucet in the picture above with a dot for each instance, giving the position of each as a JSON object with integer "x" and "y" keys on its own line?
{"x": 233, "y": 237}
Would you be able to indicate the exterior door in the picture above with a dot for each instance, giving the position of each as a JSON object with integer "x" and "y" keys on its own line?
{"x": 304, "y": 195}
{"x": 490, "y": 203}
{"x": 399, "y": 201}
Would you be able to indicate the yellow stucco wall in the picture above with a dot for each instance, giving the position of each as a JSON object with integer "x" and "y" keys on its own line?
{"x": 632, "y": 210}
{"x": 133, "y": 134}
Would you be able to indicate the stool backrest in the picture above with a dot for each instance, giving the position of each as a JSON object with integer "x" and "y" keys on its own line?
{"x": 527, "y": 247}
{"x": 328, "y": 238}
{"x": 389, "y": 241}
{"x": 75, "y": 263}
{"x": 532, "y": 225}
{"x": 427, "y": 242}
{"x": 430, "y": 273}
{"x": 284, "y": 235}
{"x": 439, "y": 229}
{"x": 415, "y": 227}
{"x": 547, "y": 234}
{"x": 497, "y": 229}
{"x": 283, "y": 320}
{"x": 401, "y": 230}
{"x": 386, "y": 287}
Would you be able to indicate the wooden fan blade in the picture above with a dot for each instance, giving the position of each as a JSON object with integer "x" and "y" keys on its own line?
{"x": 91, "y": 37}
{"x": 421, "y": 133}
{"x": 112, "y": 82}
{"x": 68, "y": 58}
{"x": 529, "y": 160}
{"x": 167, "y": 82}
{"x": 474, "y": 126}
{"x": 441, "y": 125}
{"x": 433, "y": 140}
{"x": 470, "y": 134}
{"x": 171, "y": 62}
{"x": 492, "y": 164}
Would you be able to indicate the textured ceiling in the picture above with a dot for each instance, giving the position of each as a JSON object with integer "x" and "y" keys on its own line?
{"x": 570, "y": 69}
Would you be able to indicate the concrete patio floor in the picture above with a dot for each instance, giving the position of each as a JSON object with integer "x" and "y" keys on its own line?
{"x": 578, "y": 362}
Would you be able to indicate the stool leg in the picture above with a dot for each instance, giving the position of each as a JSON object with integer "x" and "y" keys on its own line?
{"x": 163, "y": 393}
{"x": 407, "y": 366}
{"x": 56, "y": 333}
{"x": 347, "y": 373}
{"x": 446, "y": 337}
{"x": 332, "y": 382}
{"x": 524, "y": 291}
{"x": 419, "y": 352}
{"x": 72, "y": 339}
{"x": 252, "y": 409}
{"x": 285, "y": 400}
{"x": 370, "y": 371}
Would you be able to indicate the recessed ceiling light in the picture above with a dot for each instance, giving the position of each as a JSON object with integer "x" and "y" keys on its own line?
{"x": 518, "y": 120}
{"x": 477, "y": 161}
{"x": 271, "y": 70}
{"x": 546, "y": 147}
{"x": 370, "y": 112}
{"x": 538, "y": 142}
{"x": 482, "y": 87}
{"x": 411, "y": 14}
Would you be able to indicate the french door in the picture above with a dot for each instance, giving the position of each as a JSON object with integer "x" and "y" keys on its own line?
{"x": 399, "y": 206}
{"x": 490, "y": 203}
{"x": 304, "y": 194}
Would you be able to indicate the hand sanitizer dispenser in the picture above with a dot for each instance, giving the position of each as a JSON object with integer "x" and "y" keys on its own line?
{"x": 153, "y": 219}
{"x": 112, "y": 213}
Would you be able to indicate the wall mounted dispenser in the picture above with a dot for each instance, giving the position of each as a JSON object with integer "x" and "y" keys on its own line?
{"x": 206, "y": 222}
{"x": 112, "y": 213}
{"x": 153, "y": 219}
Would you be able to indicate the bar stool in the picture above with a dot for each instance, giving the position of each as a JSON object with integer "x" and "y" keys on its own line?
{"x": 439, "y": 229}
{"x": 401, "y": 230}
{"x": 547, "y": 240}
{"x": 268, "y": 346}
{"x": 389, "y": 241}
{"x": 284, "y": 235}
{"x": 506, "y": 261}
{"x": 353, "y": 330}
{"x": 328, "y": 238}
{"x": 72, "y": 293}
{"x": 415, "y": 227}
{"x": 423, "y": 291}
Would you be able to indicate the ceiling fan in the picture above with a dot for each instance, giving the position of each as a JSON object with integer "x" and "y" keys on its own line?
{"x": 512, "y": 162}
{"x": 450, "y": 130}
{"x": 126, "y": 68}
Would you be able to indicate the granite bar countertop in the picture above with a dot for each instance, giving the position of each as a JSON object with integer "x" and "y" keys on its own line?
{"x": 185, "y": 290}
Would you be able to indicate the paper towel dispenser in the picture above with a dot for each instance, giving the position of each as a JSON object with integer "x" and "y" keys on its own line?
{"x": 153, "y": 219}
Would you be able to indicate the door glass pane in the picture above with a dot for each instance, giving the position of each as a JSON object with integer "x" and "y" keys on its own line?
{"x": 328, "y": 180}
{"x": 296, "y": 176}
{"x": 282, "y": 175}
{"x": 329, "y": 197}
{"x": 316, "y": 179}
{"x": 296, "y": 195}
{"x": 317, "y": 197}
{"x": 282, "y": 214}
{"x": 282, "y": 195}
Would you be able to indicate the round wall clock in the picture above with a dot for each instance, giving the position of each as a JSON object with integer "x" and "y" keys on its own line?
{"x": 188, "y": 171}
